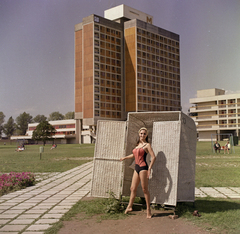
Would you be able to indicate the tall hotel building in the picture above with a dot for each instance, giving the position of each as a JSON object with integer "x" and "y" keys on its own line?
{"x": 216, "y": 114}
{"x": 123, "y": 63}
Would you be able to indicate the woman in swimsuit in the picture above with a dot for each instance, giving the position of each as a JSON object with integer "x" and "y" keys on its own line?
{"x": 142, "y": 170}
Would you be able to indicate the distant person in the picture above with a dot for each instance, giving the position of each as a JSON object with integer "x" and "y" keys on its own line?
{"x": 54, "y": 146}
{"x": 227, "y": 147}
{"x": 20, "y": 149}
{"x": 217, "y": 147}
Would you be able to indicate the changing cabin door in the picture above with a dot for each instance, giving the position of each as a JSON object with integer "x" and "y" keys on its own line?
{"x": 107, "y": 167}
{"x": 164, "y": 179}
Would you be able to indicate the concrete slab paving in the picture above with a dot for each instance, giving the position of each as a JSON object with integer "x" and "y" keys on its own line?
{"x": 47, "y": 221}
{"x": 17, "y": 228}
{"x": 8, "y": 216}
{"x": 38, "y": 227}
{"x": 22, "y": 221}
{"x": 3, "y": 221}
{"x": 13, "y": 211}
{"x": 52, "y": 216}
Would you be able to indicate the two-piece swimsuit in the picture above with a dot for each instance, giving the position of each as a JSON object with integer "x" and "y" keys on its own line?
{"x": 140, "y": 159}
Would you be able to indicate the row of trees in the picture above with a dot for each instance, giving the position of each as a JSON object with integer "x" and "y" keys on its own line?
{"x": 20, "y": 125}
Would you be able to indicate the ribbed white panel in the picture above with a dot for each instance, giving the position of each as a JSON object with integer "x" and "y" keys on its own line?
{"x": 187, "y": 160}
{"x": 164, "y": 181}
{"x": 107, "y": 168}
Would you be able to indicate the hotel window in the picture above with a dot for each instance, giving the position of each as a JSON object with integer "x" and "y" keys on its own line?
{"x": 96, "y": 74}
{"x": 96, "y": 27}
{"x": 96, "y": 82}
{"x": 96, "y": 112}
{"x": 96, "y": 50}
{"x": 96, "y": 105}
{"x": 102, "y": 29}
{"x": 96, "y": 66}
{"x": 118, "y": 34}
{"x": 96, "y": 43}
{"x": 96, "y": 35}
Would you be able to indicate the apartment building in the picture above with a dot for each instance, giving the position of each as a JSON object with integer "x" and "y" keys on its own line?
{"x": 123, "y": 63}
{"x": 216, "y": 114}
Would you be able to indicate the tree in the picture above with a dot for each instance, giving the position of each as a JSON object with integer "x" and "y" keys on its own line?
{"x": 9, "y": 127}
{"x": 2, "y": 116}
{"x": 39, "y": 118}
{"x": 22, "y": 122}
{"x": 55, "y": 116}
{"x": 70, "y": 115}
{"x": 43, "y": 132}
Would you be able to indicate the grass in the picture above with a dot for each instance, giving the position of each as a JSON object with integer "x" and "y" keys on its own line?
{"x": 217, "y": 215}
{"x": 63, "y": 158}
{"x": 217, "y": 170}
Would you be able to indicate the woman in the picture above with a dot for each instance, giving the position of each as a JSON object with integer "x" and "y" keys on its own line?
{"x": 142, "y": 171}
{"x": 227, "y": 147}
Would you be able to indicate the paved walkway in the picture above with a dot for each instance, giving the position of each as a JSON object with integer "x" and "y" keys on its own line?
{"x": 34, "y": 209}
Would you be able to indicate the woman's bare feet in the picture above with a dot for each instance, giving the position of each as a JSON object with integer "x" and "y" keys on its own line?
{"x": 129, "y": 209}
{"x": 149, "y": 215}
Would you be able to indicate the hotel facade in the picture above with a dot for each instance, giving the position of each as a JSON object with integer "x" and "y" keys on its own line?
{"x": 123, "y": 63}
{"x": 216, "y": 114}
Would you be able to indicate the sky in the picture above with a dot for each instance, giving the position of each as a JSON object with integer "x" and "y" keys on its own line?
{"x": 37, "y": 48}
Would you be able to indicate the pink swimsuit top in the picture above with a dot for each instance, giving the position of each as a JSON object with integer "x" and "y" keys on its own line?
{"x": 140, "y": 156}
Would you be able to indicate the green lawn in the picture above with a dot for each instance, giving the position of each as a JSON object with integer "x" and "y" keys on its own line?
{"x": 63, "y": 158}
{"x": 214, "y": 170}
{"x": 217, "y": 170}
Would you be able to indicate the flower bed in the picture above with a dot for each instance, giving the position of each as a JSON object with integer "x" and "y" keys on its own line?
{"x": 15, "y": 181}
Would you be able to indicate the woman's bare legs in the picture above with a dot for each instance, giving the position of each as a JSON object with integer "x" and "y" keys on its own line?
{"x": 134, "y": 185}
{"x": 144, "y": 184}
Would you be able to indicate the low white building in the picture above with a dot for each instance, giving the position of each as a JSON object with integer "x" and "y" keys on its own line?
{"x": 65, "y": 132}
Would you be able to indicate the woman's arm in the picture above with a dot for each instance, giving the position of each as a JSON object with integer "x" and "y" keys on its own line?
{"x": 153, "y": 158}
{"x": 129, "y": 156}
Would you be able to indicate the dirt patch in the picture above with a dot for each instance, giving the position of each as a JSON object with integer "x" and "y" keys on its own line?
{"x": 135, "y": 223}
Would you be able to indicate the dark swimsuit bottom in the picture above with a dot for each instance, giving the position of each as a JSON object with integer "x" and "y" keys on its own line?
{"x": 140, "y": 159}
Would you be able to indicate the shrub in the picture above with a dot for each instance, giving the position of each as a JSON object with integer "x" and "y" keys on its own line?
{"x": 15, "y": 181}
